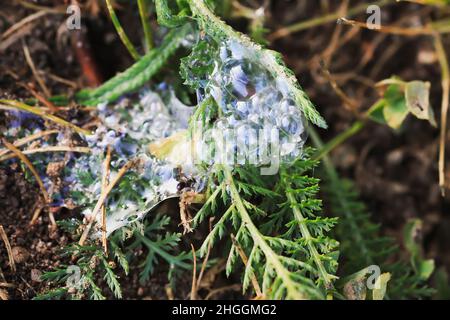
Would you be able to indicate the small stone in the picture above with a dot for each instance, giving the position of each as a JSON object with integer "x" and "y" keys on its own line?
{"x": 36, "y": 275}
{"x": 4, "y": 294}
{"x": 54, "y": 169}
{"x": 20, "y": 254}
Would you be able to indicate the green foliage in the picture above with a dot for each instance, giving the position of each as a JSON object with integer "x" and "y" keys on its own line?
{"x": 288, "y": 250}
{"x": 363, "y": 246}
{"x": 422, "y": 267}
{"x": 80, "y": 281}
{"x": 400, "y": 99}
{"x": 160, "y": 246}
{"x": 94, "y": 266}
{"x": 138, "y": 74}
{"x": 275, "y": 234}
{"x": 165, "y": 15}
{"x": 220, "y": 31}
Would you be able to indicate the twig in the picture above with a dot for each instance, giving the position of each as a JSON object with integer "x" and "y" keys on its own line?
{"x": 444, "y": 109}
{"x": 39, "y": 112}
{"x": 9, "y": 41}
{"x": 30, "y": 166}
{"x": 6, "y": 285}
{"x": 59, "y": 79}
{"x": 36, "y": 215}
{"x": 169, "y": 292}
{"x": 40, "y": 98}
{"x": 323, "y": 20}
{"x": 245, "y": 261}
{"x": 194, "y": 275}
{"x": 4, "y": 236}
{"x": 51, "y": 217}
{"x": 410, "y": 32}
{"x": 23, "y": 22}
{"x": 348, "y": 102}
{"x": 126, "y": 41}
{"x": 144, "y": 14}
{"x": 105, "y": 182}
{"x": 56, "y": 10}
{"x": 205, "y": 260}
{"x": 103, "y": 197}
{"x": 48, "y": 149}
{"x": 25, "y": 140}
{"x": 32, "y": 66}
{"x": 233, "y": 287}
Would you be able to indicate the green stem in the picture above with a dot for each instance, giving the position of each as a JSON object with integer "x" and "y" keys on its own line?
{"x": 152, "y": 246}
{"x": 339, "y": 139}
{"x": 327, "y": 278}
{"x": 126, "y": 41}
{"x": 138, "y": 74}
{"x": 259, "y": 241}
{"x": 144, "y": 14}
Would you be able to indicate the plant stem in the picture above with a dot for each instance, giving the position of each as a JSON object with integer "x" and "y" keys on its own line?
{"x": 324, "y": 19}
{"x": 327, "y": 278}
{"x": 30, "y": 166}
{"x": 442, "y": 56}
{"x": 103, "y": 196}
{"x": 39, "y": 112}
{"x": 144, "y": 14}
{"x": 259, "y": 241}
{"x": 8, "y": 156}
{"x": 339, "y": 139}
{"x": 126, "y": 41}
{"x": 153, "y": 246}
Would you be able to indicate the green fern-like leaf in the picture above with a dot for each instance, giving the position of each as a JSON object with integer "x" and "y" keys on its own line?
{"x": 219, "y": 30}
{"x": 139, "y": 73}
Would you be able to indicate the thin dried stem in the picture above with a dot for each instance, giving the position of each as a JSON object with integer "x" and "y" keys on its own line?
{"x": 409, "y": 32}
{"x": 194, "y": 275}
{"x": 39, "y": 112}
{"x": 315, "y": 22}
{"x": 41, "y": 98}
{"x": 48, "y": 149}
{"x": 30, "y": 166}
{"x": 7, "y": 285}
{"x": 105, "y": 182}
{"x": 4, "y": 237}
{"x": 205, "y": 260}
{"x": 36, "y": 214}
{"x": 103, "y": 197}
{"x": 30, "y": 138}
{"x": 245, "y": 261}
{"x": 17, "y": 26}
{"x": 443, "y": 61}
{"x": 232, "y": 287}
{"x": 36, "y": 75}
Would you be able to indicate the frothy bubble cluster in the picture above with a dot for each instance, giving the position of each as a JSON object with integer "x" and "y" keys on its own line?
{"x": 128, "y": 129}
{"x": 251, "y": 100}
